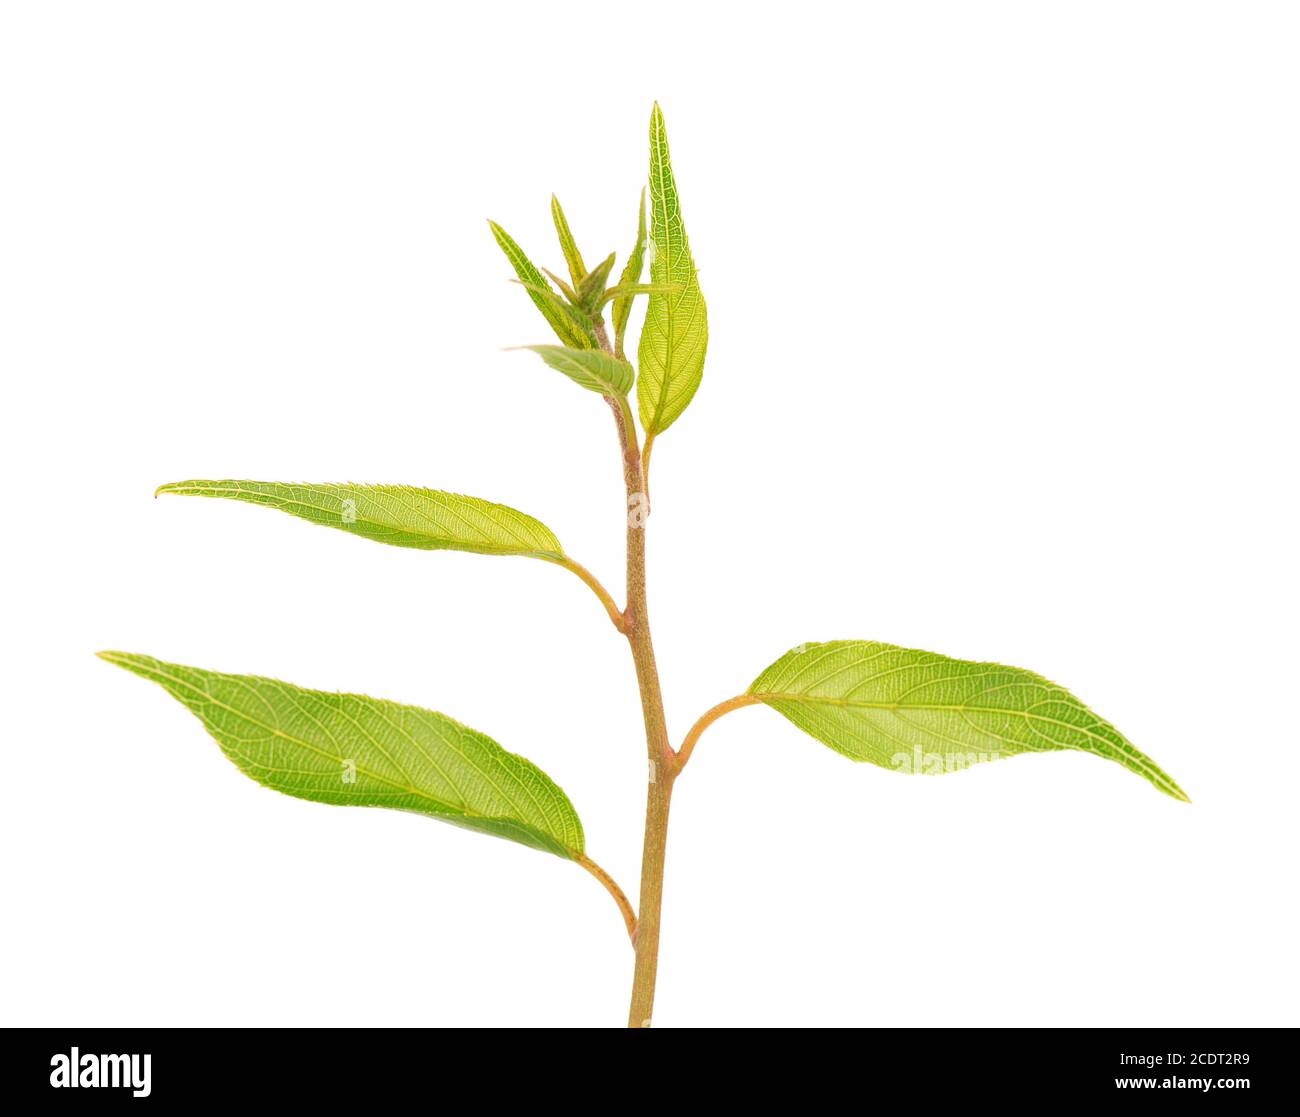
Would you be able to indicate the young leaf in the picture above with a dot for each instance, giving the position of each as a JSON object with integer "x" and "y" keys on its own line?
{"x": 398, "y": 514}
{"x": 676, "y": 330}
{"x": 535, "y": 284}
{"x": 351, "y": 750}
{"x": 568, "y": 292}
{"x": 630, "y": 279}
{"x": 922, "y": 712}
{"x": 568, "y": 246}
{"x": 580, "y": 324}
{"x": 594, "y": 369}
{"x": 592, "y": 287}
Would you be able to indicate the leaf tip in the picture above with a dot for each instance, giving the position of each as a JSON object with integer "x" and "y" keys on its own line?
{"x": 1176, "y": 792}
{"x": 144, "y": 666}
{"x": 657, "y": 127}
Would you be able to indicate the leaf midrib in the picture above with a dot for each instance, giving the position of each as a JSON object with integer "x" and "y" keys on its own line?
{"x": 851, "y": 703}
{"x": 610, "y": 388}
{"x": 397, "y": 529}
{"x": 661, "y": 148}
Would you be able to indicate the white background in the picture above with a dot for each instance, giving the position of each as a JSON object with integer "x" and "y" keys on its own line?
{"x": 1003, "y": 364}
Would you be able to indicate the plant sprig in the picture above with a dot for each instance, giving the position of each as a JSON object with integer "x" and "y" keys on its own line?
{"x": 898, "y": 708}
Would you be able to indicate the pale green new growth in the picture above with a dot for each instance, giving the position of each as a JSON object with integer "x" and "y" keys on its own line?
{"x": 894, "y": 707}
{"x": 351, "y": 750}
{"x": 922, "y": 712}
{"x": 594, "y": 369}
{"x": 591, "y": 290}
{"x": 564, "y": 325}
{"x": 572, "y": 257}
{"x": 576, "y": 322}
{"x": 568, "y": 292}
{"x": 676, "y": 329}
{"x": 401, "y": 515}
{"x": 631, "y": 277}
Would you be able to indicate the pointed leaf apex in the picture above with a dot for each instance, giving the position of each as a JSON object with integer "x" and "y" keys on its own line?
{"x": 572, "y": 257}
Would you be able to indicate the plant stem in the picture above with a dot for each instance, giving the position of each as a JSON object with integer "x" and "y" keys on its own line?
{"x": 662, "y": 761}
{"x": 646, "y": 940}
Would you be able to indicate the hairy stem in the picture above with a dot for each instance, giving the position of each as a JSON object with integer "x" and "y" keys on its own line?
{"x": 662, "y": 760}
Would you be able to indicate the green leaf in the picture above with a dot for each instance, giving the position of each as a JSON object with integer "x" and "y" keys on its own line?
{"x": 676, "y": 330}
{"x": 568, "y": 246}
{"x": 921, "y": 712}
{"x": 568, "y": 292}
{"x": 630, "y": 279}
{"x": 580, "y": 324}
{"x": 592, "y": 286}
{"x": 351, "y": 750}
{"x": 595, "y": 370}
{"x": 538, "y": 289}
{"x": 398, "y": 514}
